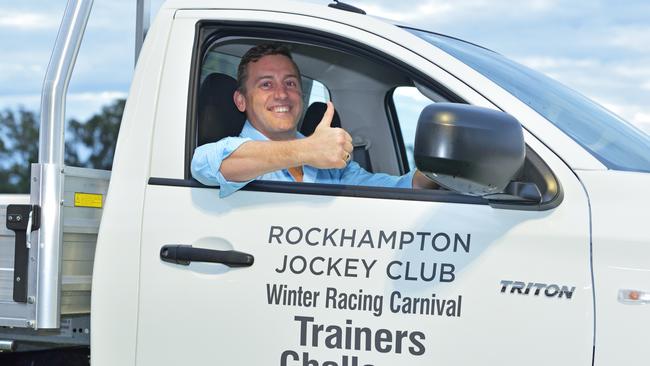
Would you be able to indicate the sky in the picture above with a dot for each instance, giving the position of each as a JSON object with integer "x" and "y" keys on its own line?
{"x": 599, "y": 48}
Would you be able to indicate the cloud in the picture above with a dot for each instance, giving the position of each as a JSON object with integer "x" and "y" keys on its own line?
{"x": 642, "y": 121}
{"x": 21, "y": 78}
{"x": 12, "y": 68}
{"x": 542, "y": 63}
{"x": 105, "y": 60}
{"x": 638, "y": 115}
{"x": 27, "y": 20}
{"x": 440, "y": 11}
{"x": 79, "y": 105}
{"x": 542, "y": 5}
{"x": 617, "y": 109}
{"x": 630, "y": 37}
{"x": 27, "y": 101}
{"x": 642, "y": 117}
{"x": 425, "y": 10}
{"x": 618, "y": 81}
{"x": 633, "y": 70}
{"x": 577, "y": 73}
{"x": 100, "y": 97}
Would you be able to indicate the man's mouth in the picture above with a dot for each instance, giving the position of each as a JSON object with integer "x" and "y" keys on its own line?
{"x": 280, "y": 109}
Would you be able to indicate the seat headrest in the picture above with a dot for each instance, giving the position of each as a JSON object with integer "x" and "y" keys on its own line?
{"x": 313, "y": 115}
{"x": 218, "y": 117}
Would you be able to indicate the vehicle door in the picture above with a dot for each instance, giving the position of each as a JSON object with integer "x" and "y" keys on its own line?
{"x": 348, "y": 275}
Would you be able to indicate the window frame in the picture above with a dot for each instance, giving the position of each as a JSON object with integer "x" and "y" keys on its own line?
{"x": 396, "y": 129}
{"x": 207, "y": 32}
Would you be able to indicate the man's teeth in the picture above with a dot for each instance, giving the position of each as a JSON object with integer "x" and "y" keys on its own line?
{"x": 281, "y": 109}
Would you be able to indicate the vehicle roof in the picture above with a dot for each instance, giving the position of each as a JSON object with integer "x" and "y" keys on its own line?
{"x": 301, "y": 8}
{"x": 284, "y": 6}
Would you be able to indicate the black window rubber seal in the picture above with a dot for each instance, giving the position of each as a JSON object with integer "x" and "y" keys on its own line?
{"x": 396, "y": 130}
{"x": 338, "y": 190}
{"x": 341, "y": 190}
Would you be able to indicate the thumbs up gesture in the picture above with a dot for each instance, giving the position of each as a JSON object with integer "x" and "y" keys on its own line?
{"x": 328, "y": 147}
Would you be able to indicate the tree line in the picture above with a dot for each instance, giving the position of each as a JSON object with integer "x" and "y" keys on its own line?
{"x": 89, "y": 144}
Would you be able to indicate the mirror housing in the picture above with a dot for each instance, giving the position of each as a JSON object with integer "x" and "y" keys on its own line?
{"x": 469, "y": 149}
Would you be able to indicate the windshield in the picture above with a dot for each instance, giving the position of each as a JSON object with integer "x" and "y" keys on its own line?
{"x": 616, "y": 143}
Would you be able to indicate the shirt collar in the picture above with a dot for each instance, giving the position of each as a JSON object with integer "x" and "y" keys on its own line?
{"x": 251, "y": 132}
{"x": 309, "y": 173}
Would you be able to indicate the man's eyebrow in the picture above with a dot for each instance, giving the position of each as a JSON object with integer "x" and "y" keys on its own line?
{"x": 263, "y": 77}
{"x": 271, "y": 77}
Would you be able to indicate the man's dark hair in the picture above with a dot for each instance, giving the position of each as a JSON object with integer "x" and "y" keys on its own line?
{"x": 254, "y": 55}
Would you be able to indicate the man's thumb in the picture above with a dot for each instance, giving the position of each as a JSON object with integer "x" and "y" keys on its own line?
{"x": 326, "y": 121}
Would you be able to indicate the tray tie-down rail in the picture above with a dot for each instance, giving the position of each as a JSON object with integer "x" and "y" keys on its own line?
{"x": 22, "y": 220}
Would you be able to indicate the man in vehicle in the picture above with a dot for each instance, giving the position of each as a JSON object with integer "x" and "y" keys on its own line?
{"x": 270, "y": 147}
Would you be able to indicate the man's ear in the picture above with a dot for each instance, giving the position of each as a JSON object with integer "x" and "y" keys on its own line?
{"x": 240, "y": 101}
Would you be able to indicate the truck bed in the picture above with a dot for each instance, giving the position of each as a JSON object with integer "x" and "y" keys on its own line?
{"x": 83, "y": 198}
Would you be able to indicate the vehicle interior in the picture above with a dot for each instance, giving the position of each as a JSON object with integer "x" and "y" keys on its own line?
{"x": 375, "y": 101}
{"x": 349, "y": 81}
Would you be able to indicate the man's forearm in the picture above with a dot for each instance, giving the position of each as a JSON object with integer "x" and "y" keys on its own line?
{"x": 255, "y": 158}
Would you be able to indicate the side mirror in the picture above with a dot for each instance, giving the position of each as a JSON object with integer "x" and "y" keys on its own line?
{"x": 468, "y": 149}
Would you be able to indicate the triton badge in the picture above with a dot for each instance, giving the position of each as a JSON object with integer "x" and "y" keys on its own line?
{"x": 535, "y": 288}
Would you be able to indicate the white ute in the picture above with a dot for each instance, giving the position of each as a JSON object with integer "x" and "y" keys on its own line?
{"x": 536, "y": 253}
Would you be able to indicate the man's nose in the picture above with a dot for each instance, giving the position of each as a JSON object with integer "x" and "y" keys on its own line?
{"x": 281, "y": 91}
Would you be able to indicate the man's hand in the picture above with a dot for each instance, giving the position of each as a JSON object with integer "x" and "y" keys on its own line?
{"x": 327, "y": 147}
{"x": 420, "y": 181}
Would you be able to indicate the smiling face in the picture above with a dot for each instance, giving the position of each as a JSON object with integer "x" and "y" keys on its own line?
{"x": 273, "y": 98}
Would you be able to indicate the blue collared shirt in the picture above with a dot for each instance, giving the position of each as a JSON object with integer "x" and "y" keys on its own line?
{"x": 206, "y": 164}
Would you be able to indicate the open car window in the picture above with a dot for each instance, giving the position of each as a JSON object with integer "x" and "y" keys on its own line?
{"x": 377, "y": 98}
{"x": 356, "y": 85}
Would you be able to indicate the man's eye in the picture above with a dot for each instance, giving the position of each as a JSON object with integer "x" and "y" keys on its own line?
{"x": 291, "y": 83}
{"x": 266, "y": 84}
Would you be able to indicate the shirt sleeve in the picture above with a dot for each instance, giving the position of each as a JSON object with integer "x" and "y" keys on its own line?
{"x": 354, "y": 174}
{"x": 206, "y": 164}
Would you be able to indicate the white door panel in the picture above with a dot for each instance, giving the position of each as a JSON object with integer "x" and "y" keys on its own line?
{"x": 222, "y": 315}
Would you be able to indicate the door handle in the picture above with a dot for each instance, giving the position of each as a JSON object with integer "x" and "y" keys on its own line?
{"x": 185, "y": 254}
